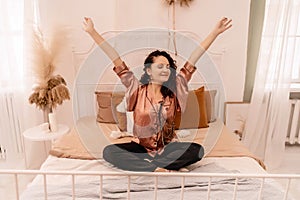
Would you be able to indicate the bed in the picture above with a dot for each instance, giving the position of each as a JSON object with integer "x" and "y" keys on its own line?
{"x": 228, "y": 171}
{"x": 75, "y": 168}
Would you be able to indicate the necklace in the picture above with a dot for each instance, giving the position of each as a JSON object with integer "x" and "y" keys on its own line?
{"x": 159, "y": 116}
{"x": 157, "y": 111}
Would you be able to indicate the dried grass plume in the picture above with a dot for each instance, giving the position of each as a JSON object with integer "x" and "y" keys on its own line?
{"x": 50, "y": 90}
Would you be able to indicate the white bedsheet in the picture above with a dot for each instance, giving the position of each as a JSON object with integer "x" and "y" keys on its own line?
{"x": 242, "y": 164}
{"x": 87, "y": 187}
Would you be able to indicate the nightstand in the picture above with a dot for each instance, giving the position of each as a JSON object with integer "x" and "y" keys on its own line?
{"x": 40, "y": 144}
{"x": 38, "y": 134}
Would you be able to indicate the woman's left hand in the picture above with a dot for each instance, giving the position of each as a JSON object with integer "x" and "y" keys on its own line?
{"x": 222, "y": 25}
{"x": 88, "y": 25}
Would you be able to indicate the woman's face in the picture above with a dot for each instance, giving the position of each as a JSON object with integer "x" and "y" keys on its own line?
{"x": 159, "y": 70}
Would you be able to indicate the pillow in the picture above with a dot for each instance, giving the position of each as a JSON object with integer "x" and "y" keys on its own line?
{"x": 111, "y": 107}
{"x": 210, "y": 105}
{"x": 195, "y": 115}
{"x": 104, "y": 113}
{"x": 125, "y": 118}
{"x": 121, "y": 115}
{"x": 107, "y": 102}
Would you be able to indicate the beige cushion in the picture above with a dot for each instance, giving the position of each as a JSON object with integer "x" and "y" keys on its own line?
{"x": 107, "y": 102}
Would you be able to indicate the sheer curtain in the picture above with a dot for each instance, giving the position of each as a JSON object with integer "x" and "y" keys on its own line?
{"x": 11, "y": 75}
{"x": 267, "y": 121}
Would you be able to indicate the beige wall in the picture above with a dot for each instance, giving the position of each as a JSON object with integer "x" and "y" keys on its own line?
{"x": 109, "y": 15}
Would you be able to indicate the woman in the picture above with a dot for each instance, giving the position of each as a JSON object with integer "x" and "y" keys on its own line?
{"x": 154, "y": 100}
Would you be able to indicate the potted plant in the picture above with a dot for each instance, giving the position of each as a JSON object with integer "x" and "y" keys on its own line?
{"x": 49, "y": 90}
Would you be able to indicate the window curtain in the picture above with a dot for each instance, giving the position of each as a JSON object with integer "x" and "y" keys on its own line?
{"x": 11, "y": 75}
{"x": 11, "y": 44}
{"x": 267, "y": 121}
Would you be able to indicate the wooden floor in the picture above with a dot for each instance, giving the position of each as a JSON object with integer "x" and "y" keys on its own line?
{"x": 291, "y": 161}
{"x": 290, "y": 165}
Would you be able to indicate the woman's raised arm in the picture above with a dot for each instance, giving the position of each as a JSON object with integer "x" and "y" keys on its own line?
{"x": 88, "y": 26}
{"x": 220, "y": 27}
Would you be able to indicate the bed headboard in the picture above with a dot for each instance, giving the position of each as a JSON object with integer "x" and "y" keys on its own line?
{"x": 95, "y": 74}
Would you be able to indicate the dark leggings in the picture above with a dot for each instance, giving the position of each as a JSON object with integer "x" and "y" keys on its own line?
{"x": 134, "y": 157}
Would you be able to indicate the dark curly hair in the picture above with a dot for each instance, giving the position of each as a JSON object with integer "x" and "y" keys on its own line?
{"x": 169, "y": 87}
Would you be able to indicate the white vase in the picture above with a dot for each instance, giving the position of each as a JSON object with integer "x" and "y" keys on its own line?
{"x": 53, "y": 122}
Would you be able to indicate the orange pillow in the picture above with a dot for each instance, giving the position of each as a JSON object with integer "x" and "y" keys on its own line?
{"x": 195, "y": 115}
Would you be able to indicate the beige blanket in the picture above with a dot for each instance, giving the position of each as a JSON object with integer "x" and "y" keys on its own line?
{"x": 74, "y": 145}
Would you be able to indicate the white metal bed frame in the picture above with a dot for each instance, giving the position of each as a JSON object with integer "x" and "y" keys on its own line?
{"x": 155, "y": 175}
{"x": 236, "y": 177}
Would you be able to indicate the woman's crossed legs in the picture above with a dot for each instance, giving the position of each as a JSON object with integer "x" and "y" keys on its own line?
{"x": 134, "y": 157}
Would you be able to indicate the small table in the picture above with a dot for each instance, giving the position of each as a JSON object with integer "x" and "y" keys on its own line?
{"x": 38, "y": 134}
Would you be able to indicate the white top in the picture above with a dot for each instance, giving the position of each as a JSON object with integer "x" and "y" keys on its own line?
{"x": 39, "y": 133}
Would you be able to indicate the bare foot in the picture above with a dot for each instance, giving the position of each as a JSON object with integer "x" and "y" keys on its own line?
{"x": 168, "y": 170}
{"x": 161, "y": 170}
{"x": 183, "y": 169}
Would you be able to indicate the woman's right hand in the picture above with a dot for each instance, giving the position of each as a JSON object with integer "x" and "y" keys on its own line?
{"x": 88, "y": 25}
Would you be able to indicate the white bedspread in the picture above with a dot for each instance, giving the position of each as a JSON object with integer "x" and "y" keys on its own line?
{"x": 88, "y": 187}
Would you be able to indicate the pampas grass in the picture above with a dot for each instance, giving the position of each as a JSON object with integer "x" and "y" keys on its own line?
{"x": 51, "y": 95}
{"x": 49, "y": 90}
